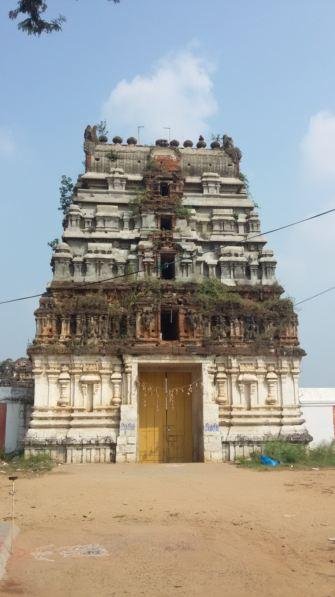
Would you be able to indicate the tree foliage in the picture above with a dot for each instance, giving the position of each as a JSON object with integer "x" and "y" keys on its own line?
{"x": 33, "y": 22}
{"x": 66, "y": 192}
{"x": 102, "y": 128}
{"x": 53, "y": 243}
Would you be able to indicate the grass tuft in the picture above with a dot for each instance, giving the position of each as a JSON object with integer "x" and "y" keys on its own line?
{"x": 18, "y": 462}
{"x": 289, "y": 454}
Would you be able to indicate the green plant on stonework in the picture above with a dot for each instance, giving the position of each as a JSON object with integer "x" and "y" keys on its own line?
{"x": 66, "y": 189}
{"x": 136, "y": 204}
{"x": 153, "y": 287}
{"x": 182, "y": 211}
{"x": 279, "y": 311}
{"x": 211, "y": 295}
{"x": 130, "y": 268}
{"x": 290, "y": 454}
{"x": 115, "y": 308}
{"x": 18, "y": 462}
{"x": 149, "y": 289}
{"x": 153, "y": 166}
{"x": 53, "y": 243}
{"x": 92, "y": 301}
{"x": 245, "y": 181}
{"x": 129, "y": 299}
{"x": 111, "y": 155}
{"x": 322, "y": 455}
{"x": 286, "y": 452}
{"x": 102, "y": 128}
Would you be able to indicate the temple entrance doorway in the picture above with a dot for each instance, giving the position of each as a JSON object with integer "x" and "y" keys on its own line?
{"x": 165, "y": 416}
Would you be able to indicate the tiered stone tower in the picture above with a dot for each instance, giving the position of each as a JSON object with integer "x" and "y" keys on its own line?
{"x": 162, "y": 336}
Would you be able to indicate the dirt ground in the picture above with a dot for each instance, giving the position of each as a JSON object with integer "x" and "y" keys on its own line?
{"x": 189, "y": 529}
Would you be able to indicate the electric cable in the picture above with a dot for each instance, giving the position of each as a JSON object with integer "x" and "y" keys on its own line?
{"x": 323, "y": 213}
{"x": 313, "y": 296}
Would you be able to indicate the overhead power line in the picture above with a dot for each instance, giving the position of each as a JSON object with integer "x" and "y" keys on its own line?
{"x": 310, "y": 298}
{"x": 21, "y": 298}
{"x": 318, "y": 215}
{"x": 323, "y": 213}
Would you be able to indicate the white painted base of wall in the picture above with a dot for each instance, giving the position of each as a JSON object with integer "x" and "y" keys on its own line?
{"x": 86, "y": 407}
{"x": 318, "y": 408}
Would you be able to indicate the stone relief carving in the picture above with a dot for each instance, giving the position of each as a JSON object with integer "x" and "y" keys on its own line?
{"x": 272, "y": 383}
{"x": 64, "y": 386}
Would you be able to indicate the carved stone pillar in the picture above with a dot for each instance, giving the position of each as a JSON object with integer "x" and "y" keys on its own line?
{"x": 96, "y": 390}
{"x": 121, "y": 268}
{"x": 128, "y": 371}
{"x": 254, "y": 273}
{"x": 106, "y": 393}
{"x": 126, "y": 218}
{"x": 211, "y": 425}
{"x": 284, "y": 384}
{"x": 84, "y": 391}
{"x": 53, "y": 389}
{"x": 77, "y": 398}
{"x": 272, "y": 383}
{"x": 253, "y": 393}
{"x": 64, "y": 387}
{"x": 225, "y": 272}
{"x": 90, "y": 268}
{"x": 41, "y": 396}
{"x": 241, "y": 388}
{"x": 212, "y": 272}
{"x": 234, "y": 389}
{"x": 77, "y": 268}
{"x": 38, "y": 327}
{"x": 211, "y": 371}
{"x": 116, "y": 379}
{"x": 65, "y": 329}
{"x": 221, "y": 382}
{"x": 295, "y": 370}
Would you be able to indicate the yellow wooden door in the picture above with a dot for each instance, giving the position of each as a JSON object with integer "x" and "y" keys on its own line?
{"x": 165, "y": 417}
{"x": 152, "y": 418}
{"x": 179, "y": 418}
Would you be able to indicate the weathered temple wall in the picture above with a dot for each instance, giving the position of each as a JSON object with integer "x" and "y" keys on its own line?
{"x": 162, "y": 264}
{"x": 86, "y": 408}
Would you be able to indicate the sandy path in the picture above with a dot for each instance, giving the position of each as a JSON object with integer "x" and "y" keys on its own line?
{"x": 190, "y": 529}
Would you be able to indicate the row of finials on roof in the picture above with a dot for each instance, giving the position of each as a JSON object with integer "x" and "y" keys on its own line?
{"x": 226, "y": 143}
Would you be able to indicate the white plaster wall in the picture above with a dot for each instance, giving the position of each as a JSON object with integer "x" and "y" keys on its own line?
{"x": 14, "y": 416}
{"x": 319, "y": 422}
{"x": 318, "y": 405}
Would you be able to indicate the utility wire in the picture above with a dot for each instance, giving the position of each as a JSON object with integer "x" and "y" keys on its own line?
{"x": 22, "y": 298}
{"x": 323, "y": 213}
{"x": 166, "y": 265}
{"x": 310, "y": 298}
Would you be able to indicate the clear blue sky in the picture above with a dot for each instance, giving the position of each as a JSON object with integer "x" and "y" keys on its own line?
{"x": 262, "y": 71}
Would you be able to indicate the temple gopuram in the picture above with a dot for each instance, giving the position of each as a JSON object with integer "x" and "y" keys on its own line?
{"x": 163, "y": 335}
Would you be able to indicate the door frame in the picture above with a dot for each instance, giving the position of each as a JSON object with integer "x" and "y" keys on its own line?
{"x": 193, "y": 367}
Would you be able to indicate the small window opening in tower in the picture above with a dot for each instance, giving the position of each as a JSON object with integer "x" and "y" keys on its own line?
{"x": 123, "y": 326}
{"x": 166, "y": 222}
{"x": 164, "y": 189}
{"x": 169, "y": 324}
{"x": 167, "y": 266}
